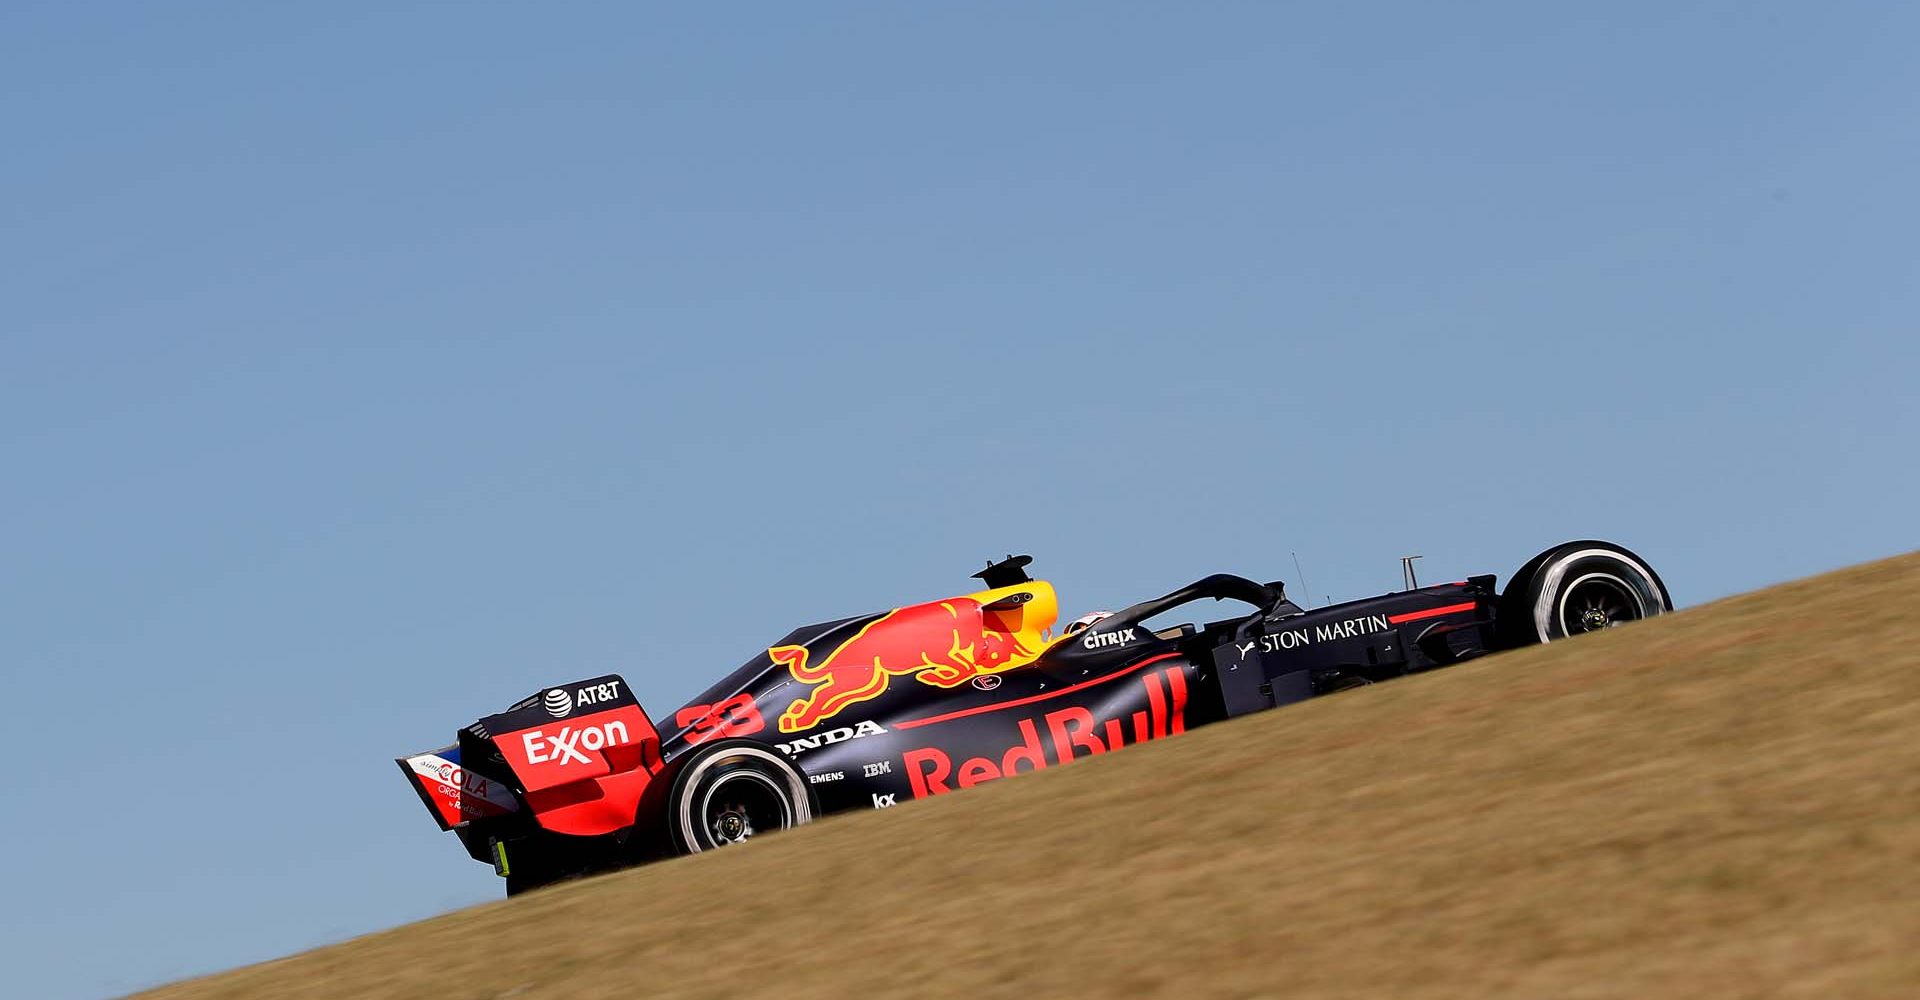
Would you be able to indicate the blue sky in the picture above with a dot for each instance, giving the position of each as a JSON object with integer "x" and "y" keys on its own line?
{"x": 364, "y": 368}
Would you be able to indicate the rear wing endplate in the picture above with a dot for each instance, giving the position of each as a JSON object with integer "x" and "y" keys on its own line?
{"x": 454, "y": 795}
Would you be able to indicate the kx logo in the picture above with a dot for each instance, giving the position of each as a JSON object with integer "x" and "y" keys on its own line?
{"x": 884, "y": 801}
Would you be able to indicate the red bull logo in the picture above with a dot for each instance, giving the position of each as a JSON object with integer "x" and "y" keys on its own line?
{"x": 941, "y": 643}
{"x": 1071, "y": 733}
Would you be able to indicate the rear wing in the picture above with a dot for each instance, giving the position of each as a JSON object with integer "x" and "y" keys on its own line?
{"x": 580, "y": 756}
{"x": 454, "y": 795}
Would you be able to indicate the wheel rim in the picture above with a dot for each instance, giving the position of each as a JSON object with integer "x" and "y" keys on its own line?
{"x": 1599, "y": 601}
{"x": 741, "y": 804}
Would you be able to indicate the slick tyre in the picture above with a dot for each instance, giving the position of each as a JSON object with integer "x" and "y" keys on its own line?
{"x": 1577, "y": 588}
{"x": 733, "y": 790}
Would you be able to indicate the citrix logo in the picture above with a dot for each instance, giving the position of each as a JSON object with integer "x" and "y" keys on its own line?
{"x": 566, "y": 747}
{"x": 1100, "y": 640}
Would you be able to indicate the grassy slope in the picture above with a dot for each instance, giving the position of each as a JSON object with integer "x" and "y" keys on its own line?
{"x": 1725, "y": 802}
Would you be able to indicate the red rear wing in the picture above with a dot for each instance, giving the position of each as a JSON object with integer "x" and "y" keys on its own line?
{"x": 584, "y": 752}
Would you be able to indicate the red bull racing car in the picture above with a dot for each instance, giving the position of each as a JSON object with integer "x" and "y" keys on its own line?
{"x": 926, "y": 699}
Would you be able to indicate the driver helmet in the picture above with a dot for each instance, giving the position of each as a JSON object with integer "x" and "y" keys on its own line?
{"x": 1084, "y": 622}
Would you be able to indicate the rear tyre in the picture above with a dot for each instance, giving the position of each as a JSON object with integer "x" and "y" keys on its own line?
{"x": 732, "y": 791}
{"x": 1577, "y": 588}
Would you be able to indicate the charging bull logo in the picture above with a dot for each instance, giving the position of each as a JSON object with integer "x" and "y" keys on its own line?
{"x": 942, "y": 643}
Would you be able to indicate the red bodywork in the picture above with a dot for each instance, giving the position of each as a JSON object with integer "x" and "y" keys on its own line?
{"x": 584, "y": 775}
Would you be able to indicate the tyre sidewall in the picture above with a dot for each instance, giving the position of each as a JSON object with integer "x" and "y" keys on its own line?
{"x": 1538, "y": 608}
{"x": 707, "y": 766}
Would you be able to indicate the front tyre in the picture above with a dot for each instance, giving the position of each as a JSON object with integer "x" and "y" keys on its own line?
{"x": 1577, "y": 588}
{"x": 733, "y": 790}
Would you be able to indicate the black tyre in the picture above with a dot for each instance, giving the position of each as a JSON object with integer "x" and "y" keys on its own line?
{"x": 734, "y": 790}
{"x": 1577, "y": 588}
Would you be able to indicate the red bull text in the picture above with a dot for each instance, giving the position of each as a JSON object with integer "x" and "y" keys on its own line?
{"x": 1069, "y": 733}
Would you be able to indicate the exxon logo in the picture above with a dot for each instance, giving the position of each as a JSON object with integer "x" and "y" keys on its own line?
{"x": 566, "y": 746}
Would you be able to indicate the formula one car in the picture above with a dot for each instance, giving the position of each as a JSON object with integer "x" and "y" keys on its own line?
{"x": 929, "y": 698}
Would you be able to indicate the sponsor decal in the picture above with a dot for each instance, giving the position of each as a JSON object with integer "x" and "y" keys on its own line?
{"x": 1294, "y": 638}
{"x": 736, "y": 716}
{"x": 987, "y": 682}
{"x": 604, "y": 760}
{"x": 876, "y": 769}
{"x": 459, "y": 794}
{"x": 1102, "y": 640}
{"x": 560, "y": 703}
{"x": 1245, "y": 648}
{"x": 1056, "y": 738}
{"x": 830, "y": 737}
{"x": 595, "y": 694}
{"x": 942, "y": 643}
{"x": 825, "y": 776}
{"x": 884, "y": 801}
{"x": 567, "y": 746}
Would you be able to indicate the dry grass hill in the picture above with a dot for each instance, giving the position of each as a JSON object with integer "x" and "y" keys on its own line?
{"x": 1721, "y": 803}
